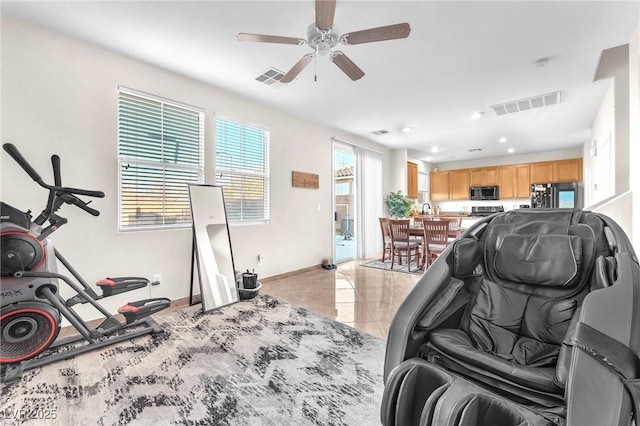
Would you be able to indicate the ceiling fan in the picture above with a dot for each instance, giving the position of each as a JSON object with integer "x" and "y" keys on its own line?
{"x": 322, "y": 37}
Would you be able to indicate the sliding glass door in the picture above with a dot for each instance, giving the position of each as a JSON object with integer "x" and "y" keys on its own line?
{"x": 344, "y": 202}
{"x": 358, "y": 201}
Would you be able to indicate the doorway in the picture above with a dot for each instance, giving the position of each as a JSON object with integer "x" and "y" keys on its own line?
{"x": 344, "y": 202}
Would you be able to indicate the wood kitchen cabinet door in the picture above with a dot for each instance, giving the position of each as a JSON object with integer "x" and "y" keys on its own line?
{"x": 484, "y": 177}
{"x": 569, "y": 170}
{"x": 459, "y": 185}
{"x": 522, "y": 181}
{"x": 506, "y": 185}
{"x": 514, "y": 181}
{"x": 412, "y": 180}
{"x": 542, "y": 172}
{"x": 439, "y": 186}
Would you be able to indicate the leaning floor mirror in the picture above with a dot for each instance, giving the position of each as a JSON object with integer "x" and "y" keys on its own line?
{"x": 212, "y": 247}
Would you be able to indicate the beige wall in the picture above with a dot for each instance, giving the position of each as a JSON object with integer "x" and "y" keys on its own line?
{"x": 59, "y": 96}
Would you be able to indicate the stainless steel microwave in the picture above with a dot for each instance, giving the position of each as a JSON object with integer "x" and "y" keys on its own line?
{"x": 484, "y": 193}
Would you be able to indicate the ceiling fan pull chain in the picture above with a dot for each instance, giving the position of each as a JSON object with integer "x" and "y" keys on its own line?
{"x": 315, "y": 66}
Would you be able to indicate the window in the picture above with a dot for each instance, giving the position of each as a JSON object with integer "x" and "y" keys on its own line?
{"x": 242, "y": 169}
{"x": 160, "y": 152}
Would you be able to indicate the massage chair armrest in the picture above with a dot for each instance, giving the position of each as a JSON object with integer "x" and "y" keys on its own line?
{"x": 564, "y": 358}
{"x": 405, "y": 337}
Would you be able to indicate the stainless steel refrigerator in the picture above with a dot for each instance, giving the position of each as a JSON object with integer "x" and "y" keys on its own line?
{"x": 556, "y": 195}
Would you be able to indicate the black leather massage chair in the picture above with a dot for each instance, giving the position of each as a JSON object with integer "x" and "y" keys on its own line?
{"x": 531, "y": 317}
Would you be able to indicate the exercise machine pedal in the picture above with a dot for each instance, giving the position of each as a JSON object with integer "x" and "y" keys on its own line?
{"x": 134, "y": 311}
{"x": 111, "y": 286}
{"x": 108, "y": 326}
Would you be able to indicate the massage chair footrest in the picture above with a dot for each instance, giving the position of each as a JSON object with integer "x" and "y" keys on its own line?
{"x": 134, "y": 311}
{"x": 420, "y": 393}
{"x": 117, "y": 285}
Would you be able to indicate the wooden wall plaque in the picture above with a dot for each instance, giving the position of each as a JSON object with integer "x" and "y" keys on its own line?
{"x": 305, "y": 180}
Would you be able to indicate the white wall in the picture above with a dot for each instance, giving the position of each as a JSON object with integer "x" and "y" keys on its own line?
{"x": 59, "y": 96}
{"x": 634, "y": 134}
{"x": 398, "y": 166}
{"x": 622, "y": 65}
{"x": 600, "y": 167}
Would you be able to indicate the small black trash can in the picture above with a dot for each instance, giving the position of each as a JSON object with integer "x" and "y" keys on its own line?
{"x": 248, "y": 285}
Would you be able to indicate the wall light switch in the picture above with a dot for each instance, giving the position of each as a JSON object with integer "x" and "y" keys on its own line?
{"x": 318, "y": 207}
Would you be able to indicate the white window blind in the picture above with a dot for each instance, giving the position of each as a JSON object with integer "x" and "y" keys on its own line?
{"x": 160, "y": 152}
{"x": 242, "y": 169}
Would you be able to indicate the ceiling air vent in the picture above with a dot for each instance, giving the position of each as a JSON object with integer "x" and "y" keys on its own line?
{"x": 528, "y": 103}
{"x": 380, "y": 132}
{"x": 271, "y": 77}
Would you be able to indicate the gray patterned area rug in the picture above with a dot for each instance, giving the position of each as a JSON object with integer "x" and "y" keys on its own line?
{"x": 259, "y": 362}
{"x": 396, "y": 267}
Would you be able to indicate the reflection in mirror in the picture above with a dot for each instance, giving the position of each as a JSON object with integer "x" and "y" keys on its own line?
{"x": 213, "y": 255}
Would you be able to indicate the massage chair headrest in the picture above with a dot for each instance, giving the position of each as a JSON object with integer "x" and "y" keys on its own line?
{"x": 545, "y": 260}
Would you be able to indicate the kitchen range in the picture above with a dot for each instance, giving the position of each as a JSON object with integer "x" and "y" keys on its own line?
{"x": 486, "y": 210}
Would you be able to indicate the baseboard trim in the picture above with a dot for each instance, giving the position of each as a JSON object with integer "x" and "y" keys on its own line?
{"x": 288, "y": 274}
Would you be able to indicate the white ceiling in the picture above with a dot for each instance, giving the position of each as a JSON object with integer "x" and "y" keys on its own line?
{"x": 461, "y": 57}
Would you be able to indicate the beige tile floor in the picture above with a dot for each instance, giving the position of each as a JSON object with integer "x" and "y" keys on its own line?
{"x": 361, "y": 297}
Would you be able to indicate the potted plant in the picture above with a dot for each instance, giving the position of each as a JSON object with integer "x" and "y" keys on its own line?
{"x": 399, "y": 205}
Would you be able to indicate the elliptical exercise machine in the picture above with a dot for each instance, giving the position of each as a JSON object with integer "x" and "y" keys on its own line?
{"x": 31, "y": 307}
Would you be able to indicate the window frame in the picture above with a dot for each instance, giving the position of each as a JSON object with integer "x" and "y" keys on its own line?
{"x": 266, "y": 175}
{"x": 163, "y": 165}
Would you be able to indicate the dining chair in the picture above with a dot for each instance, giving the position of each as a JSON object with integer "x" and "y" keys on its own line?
{"x": 454, "y": 226}
{"x": 386, "y": 237}
{"x": 436, "y": 239}
{"x": 402, "y": 243}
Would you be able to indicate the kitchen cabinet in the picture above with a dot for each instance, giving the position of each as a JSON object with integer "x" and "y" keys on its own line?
{"x": 483, "y": 177}
{"x": 542, "y": 172}
{"x": 412, "y": 180}
{"x": 557, "y": 171}
{"x": 506, "y": 183}
{"x": 522, "y": 185}
{"x": 459, "y": 184}
{"x": 569, "y": 170}
{"x": 514, "y": 181}
{"x": 439, "y": 186}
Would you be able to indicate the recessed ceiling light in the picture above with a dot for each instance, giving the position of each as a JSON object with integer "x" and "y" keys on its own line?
{"x": 427, "y": 159}
{"x": 502, "y": 140}
{"x": 407, "y": 129}
{"x": 435, "y": 149}
{"x": 477, "y": 115}
{"x": 511, "y": 150}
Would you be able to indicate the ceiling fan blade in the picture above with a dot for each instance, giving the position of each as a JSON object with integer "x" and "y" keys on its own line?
{"x": 297, "y": 68}
{"x": 388, "y": 32}
{"x": 269, "y": 38}
{"x": 346, "y": 65}
{"x": 325, "y": 11}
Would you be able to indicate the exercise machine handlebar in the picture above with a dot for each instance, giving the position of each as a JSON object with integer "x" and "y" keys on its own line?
{"x": 55, "y": 160}
{"x": 15, "y": 154}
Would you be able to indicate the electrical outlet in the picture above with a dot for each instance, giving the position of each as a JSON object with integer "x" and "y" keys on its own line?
{"x": 260, "y": 259}
{"x": 157, "y": 278}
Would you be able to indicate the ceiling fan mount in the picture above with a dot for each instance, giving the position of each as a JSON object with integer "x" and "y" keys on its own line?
{"x": 322, "y": 37}
{"x": 322, "y": 41}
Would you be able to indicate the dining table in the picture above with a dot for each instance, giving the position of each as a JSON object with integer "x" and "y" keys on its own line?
{"x": 416, "y": 230}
